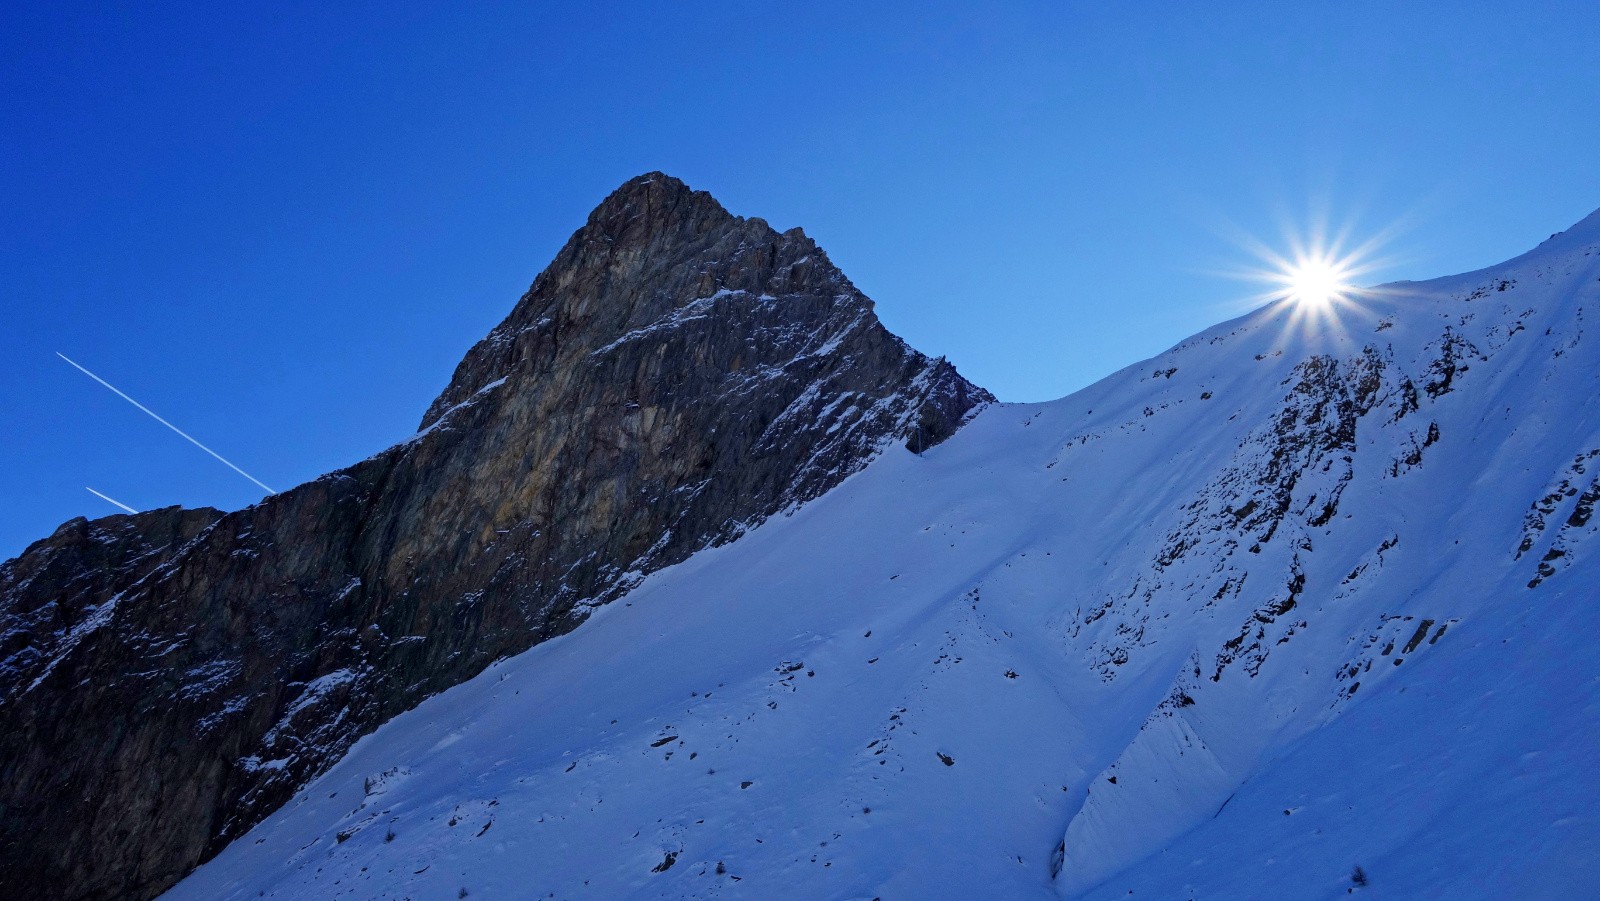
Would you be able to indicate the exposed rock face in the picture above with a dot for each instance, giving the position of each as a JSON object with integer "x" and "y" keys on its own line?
{"x": 676, "y": 376}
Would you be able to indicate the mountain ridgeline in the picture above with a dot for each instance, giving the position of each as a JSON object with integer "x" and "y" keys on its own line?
{"x": 676, "y": 376}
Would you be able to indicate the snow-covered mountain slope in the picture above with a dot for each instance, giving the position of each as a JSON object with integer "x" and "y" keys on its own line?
{"x": 1288, "y": 600}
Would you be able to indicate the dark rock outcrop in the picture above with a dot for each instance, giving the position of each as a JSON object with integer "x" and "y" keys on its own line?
{"x": 677, "y": 375}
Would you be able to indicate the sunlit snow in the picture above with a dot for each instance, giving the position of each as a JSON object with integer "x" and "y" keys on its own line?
{"x": 1231, "y": 623}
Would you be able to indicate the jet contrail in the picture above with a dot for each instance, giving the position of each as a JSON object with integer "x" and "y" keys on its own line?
{"x": 110, "y": 499}
{"x": 163, "y": 422}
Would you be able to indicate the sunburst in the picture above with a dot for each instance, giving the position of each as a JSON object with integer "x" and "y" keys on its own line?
{"x": 1318, "y": 282}
{"x": 1315, "y": 283}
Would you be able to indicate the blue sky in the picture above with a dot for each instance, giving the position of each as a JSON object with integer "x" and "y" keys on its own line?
{"x": 281, "y": 228}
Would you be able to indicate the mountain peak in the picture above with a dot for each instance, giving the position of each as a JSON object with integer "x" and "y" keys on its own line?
{"x": 655, "y": 202}
{"x": 658, "y": 185}
{"x": 652, "y": 253}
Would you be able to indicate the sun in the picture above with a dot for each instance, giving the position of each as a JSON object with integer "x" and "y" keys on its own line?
{"x": 1317, "y": 282}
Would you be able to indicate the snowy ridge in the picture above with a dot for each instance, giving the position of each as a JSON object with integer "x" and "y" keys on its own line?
{"x": 1277, "y": 604}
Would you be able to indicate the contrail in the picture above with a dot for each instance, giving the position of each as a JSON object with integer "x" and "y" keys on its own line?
{"x": 111, "y": 499}
{"x": 163, "y": 422}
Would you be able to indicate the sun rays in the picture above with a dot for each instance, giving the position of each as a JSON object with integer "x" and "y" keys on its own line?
{"x": 1313, "y": 278}
{"x": 1318, "y": 281}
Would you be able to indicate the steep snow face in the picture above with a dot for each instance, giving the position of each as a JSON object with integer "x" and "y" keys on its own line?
{"x": 1278, "y": 604}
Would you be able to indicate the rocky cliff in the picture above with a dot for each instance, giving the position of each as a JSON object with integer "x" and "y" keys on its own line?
{"x": 677, "y": 375}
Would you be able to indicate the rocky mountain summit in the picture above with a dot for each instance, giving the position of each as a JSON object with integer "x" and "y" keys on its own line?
{"x": 676, "y": 376}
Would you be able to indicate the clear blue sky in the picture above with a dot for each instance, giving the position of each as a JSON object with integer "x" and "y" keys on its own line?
{"x": 281, "y": 228}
